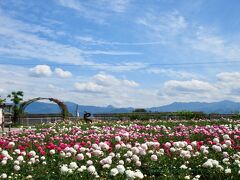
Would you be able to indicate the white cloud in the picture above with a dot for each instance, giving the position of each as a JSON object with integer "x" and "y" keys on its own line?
{"x": 14, "y": 78}
{"x": 120, "y": 67}
{"x": 171, "y": 73}
{"x": 84, "y": 10}
{"x": 93, "y": 92}
{"x": 173, "y": 29}
{"x": 51, "y": 86}
{"x": 19, "y": 39}
{"x": 89, "y": 87}
{"x": 206, "y": 40}
{"x": 46, "y": 71}
{"x": 8, "y": 23}
{"x": 229, "y": 82}
{"x": 114, "y": 53}
{"x": 227, "y": 87}
{"x": 129, "y": 83}
{"x": 88, "y": 39}
{"x": 111, "y": 90}
{"x": 163, "y": 24}
{"x": 99, "y": 6}
{"x": 229, "y": 76}
{"x": 189, "y": 86}
{"x": 130, "y": 66}
{"x": 55, "y": 88}
{"x": 105, "y": 83}
{"x": 61, "y": 73}
{"x": 1, "y": 90}
{"x": 22, "y": 41}
{"x": 92, "y": 41}
{"x": 118, "y": 6}
{"x": 188, "y": 91}
{"x": 98, "y": 90}
{"x": 73, "y": 4}
{"x": 41, "y": 70}
{"x": 97, "y": 11}
{"x": 104, "y": 89}
{"x": 104, "y": 79}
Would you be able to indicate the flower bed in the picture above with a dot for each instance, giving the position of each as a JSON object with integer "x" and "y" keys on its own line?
{"x": 123, "y": 150}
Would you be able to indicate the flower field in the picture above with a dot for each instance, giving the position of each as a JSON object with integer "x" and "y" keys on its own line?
{"x": 123, "y": 150}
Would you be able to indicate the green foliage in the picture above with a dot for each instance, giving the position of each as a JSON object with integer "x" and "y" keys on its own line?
{"x": 2, "y": 100}
{"x": 236, "y": 116}
{"x": 190, "y": 115}
{"x": 140, "y": 110}
{"x": 16, "y": 98}
{"x": 181, "y": 115}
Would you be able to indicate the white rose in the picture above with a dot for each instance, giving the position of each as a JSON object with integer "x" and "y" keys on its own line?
{"x": 73, "y": 165}
{"x": 91, "y": 169}
{"x": 114, "y": 172}
{"x": 121, "y": 169}
{"x": 154, "y": 157}
{"x": 16, "y": 167}
{"x": 4, "y": 175}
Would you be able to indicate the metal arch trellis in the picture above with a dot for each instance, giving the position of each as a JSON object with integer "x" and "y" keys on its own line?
{"x": 62, "y": 106}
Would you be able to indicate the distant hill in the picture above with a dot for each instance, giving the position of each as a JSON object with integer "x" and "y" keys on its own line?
{"x": 42, "y": 107}
{"x": 223, "y": 107}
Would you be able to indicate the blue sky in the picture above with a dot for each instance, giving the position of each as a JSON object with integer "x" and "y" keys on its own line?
{"x": 121, "y": 52}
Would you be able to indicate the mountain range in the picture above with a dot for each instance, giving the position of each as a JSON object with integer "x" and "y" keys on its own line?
{"x": 222, "y": 107}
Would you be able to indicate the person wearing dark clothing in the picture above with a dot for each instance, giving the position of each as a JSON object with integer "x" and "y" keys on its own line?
{"x": 86, "y": 117}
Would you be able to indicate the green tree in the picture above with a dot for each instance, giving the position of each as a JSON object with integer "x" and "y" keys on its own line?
{"x": 2, "y": 101}
{"x": 185, "y": 114}
{"x": 16, "y": 98}
{"x": 140, "y": 110}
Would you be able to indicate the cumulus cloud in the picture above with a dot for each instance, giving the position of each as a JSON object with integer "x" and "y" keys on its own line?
{"x": 46, "y": 71}
{"x": 229, "y": 76}
{"x": 41, "y": 70}
{"x": 227, "y": 86}
{"x": 104, "y": 79}
{"x": 104, "y": 89}
{"x": 90, "y": 92}
{"x": 229, "y": 82}
{"x": 105, "y": 83}
{"x": 61, "y": 73}
{"x": 191, "y": 90}
{"x": 189, "y": 86}
{"x": 108, "y": 88}
{"x": 15, "y": 78}
{"x": 89, "y": 87}
{"x": 55, "y": 88}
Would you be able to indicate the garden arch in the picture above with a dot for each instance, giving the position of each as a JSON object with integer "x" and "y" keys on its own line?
{"x": 61, "y": 105}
